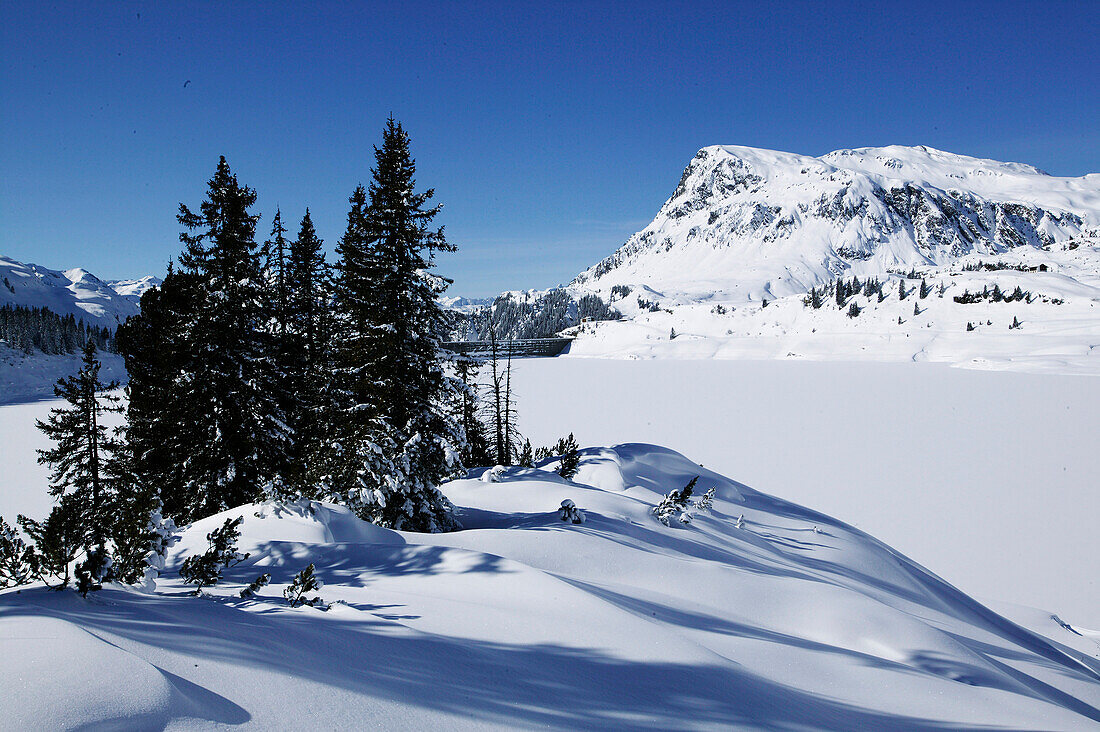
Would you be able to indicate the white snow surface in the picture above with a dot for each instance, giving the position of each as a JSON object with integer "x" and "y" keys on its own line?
{"x": 1058, "y": 332}
{"x": 795, "y": 621}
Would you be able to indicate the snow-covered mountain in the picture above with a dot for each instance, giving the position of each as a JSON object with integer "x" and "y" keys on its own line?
{"x": 71, "y": 292}
{"x": 746, "y": 223}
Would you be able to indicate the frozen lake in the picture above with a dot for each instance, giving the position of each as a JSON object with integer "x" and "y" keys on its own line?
{"x": 989, "y": 479}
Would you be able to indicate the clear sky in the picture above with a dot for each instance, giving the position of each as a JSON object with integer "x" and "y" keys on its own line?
{"x": 551, "y": 131}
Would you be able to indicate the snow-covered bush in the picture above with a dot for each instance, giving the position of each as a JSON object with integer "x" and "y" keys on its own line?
{"x": 677, "y": 500}
{"x": 204, "y": 570}
{"x": 15, "y": 555}
{"x": 305, "y": 581}
{"x": 569, "y": 512}
{"x": 493, "y": 475}
{"x": 57, "y": 541}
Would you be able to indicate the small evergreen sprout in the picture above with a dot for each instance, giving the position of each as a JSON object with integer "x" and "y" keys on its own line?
{"x": 900, "y": 321}
{"x": 203, "y": 570}
{"x": 704, "y": 504}
{"x": 255, "y": 586}
{"x": 916, "y": 309}
{"x": 569, "y": 512}
{"x": 969, "y": 325}
{"x": 763, "y": 303}
{"x": 1015, "y": 323}
{"x": 526, "y": 456}
{"x": 570, "y": 458}
{"x": 305, "y": 581}
{"x": 15, "y": 557}
{"x": 672, "y": 334}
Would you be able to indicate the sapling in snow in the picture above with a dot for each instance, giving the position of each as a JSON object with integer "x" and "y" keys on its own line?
{"x": 569, "y": 512}
{"x": 204, "y": 570}
{"x": 15, "y": 556}
{"x": 305, "y": 581}
{"x": 570, "y": 458}
{"x": 676, "y": 500}
{"x": 255, "y": 586}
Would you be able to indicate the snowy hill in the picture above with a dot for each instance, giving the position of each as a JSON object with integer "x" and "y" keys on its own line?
{"x": 746, "y": 223}
{"x": 760, "y": 614}
{"x": 74, "y": 292}
{"x": 132, "y": 290}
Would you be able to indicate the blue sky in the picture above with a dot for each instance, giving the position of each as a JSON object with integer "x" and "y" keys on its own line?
{"x": 550, "y": 131}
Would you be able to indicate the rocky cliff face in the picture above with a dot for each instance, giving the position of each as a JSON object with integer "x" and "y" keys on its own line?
{"x": 746, "y": 223}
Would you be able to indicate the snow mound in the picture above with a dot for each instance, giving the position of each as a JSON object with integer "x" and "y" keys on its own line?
{"x": 758, "y": 614}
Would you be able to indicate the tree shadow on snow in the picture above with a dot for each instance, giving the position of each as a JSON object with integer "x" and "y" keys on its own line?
{"x": 483, "y": 682}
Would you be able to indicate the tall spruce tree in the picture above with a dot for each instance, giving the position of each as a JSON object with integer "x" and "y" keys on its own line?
{"x": 309, "y": 332}
{"x": 397, "y": 421}
{"x": 240, "y": 441}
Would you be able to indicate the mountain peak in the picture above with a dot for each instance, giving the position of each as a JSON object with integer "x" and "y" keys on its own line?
{"x": 755, "y": 223}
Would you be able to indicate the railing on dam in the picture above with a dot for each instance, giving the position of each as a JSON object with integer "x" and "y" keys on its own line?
{"x": 521, "y": 348}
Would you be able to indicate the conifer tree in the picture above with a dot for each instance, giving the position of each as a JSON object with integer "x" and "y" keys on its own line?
{"x": 240, "y": 441}
{"x": 308, "y": 358}
{"x": 476, "y": 452}
{"x": 570, "y": 458}
{"x": 396, "y": 424}
{"x": 81, "y": 458}
{"x": 57, "y": 540}
{"x": 164, "y": 423}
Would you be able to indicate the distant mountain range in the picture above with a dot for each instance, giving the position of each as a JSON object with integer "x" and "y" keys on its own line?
{"x": 745, "y": 223}
{"x": 74, "y": 292}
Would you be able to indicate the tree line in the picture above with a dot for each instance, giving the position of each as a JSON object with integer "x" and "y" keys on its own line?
{"x": 29, "y": 329}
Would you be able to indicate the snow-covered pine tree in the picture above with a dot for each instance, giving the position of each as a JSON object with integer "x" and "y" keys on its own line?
{"x": 138, "y": 534}
{"x": 203, "y": 570}
{"x": 398, "y": 425}
{"x": 81, "y": 458}
{"x": 307, "y": 363}
{"x": 305, "y": 581}
{"x": 275, "y": 253}
{"x": 232, "y": 380}
{"x": 570, "y": 458}
{"x": 255, "y": 586}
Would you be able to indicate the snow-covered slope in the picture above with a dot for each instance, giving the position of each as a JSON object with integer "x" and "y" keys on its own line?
{"x": 72, "y": 292}
{"x": 746, "y": 223}
{"x": 760, "y": 614}
{"x": 749, "y": 228}
{"x": 132, "y": 290}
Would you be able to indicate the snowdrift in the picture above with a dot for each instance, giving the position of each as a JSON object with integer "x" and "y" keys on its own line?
{"x": 758, "y": 614}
